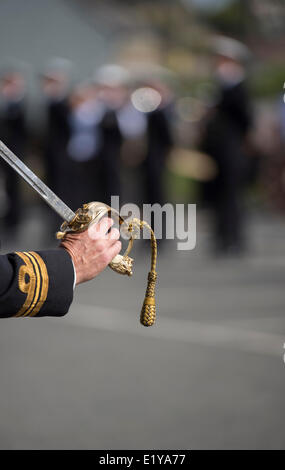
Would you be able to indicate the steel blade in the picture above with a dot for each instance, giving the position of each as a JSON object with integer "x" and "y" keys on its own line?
{"x": 46, "y": 194}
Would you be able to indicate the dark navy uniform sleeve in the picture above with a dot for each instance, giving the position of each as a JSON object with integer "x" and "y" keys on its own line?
{"x": 36, "y": 284}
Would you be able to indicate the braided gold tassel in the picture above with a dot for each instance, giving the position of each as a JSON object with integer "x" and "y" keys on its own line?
{"x": 148, "y": 311}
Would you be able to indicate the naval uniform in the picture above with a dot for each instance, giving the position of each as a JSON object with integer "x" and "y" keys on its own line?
{"x": 36, "y": 284}
{"x": 224, "y": 141}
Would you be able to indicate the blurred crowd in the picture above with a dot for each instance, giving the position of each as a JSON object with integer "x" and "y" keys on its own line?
{"x": 90, "y": 129}
{"x": 112, "y": 120}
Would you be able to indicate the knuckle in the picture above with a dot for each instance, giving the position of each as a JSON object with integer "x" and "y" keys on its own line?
{"x": 93, "y": 231}
{"x": 109, "y": 220}
{"x": 106, "y": 222}
{"x": 115, "y": 234}
{"x": 99, "y": 246}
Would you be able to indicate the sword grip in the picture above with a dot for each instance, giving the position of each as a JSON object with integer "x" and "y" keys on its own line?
{"x": 92, "y": 213}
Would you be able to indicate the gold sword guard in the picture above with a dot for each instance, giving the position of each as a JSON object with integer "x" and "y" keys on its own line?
{"x": 92, "y": 213}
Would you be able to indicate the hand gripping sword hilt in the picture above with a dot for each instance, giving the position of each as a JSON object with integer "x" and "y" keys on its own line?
{"x": 92, "y": 213}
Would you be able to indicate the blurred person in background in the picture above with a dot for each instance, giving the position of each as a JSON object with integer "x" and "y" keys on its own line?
{"x": 159, "y": 142}
{"x": 13, "y": 134}
{"x": 95, "y": 138}
{"x": 132, "y": 121}
{"x": 145, "y": 118}
{"x": 112, "y": 80}
{"x": 224, "y": 140}
{"x": 273, "y": 165}
{"x": 55, "y": 86}
{"x": 85, "y": 144}
{"x": 282, "y": 117}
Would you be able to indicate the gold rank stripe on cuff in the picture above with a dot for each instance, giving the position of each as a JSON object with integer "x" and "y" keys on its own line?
{"x": 33, "y": 281}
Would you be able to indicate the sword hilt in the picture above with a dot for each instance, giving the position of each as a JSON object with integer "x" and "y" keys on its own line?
{"x": 92, "y": 213}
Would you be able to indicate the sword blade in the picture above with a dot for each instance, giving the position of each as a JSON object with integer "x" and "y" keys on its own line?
{"x": 46, "y": 194}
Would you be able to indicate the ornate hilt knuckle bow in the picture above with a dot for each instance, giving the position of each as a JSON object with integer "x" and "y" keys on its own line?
{"x": 92, "y": 213}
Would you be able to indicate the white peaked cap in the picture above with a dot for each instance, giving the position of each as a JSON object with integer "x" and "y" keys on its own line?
{"x": 231, "y": 48}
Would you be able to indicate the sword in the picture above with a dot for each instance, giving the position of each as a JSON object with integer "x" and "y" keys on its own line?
{"x": 41, "y": 188}
{"x": 81, "y": 219}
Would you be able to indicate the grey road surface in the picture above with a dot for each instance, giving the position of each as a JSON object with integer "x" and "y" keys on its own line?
{"x": 210, "y": 374}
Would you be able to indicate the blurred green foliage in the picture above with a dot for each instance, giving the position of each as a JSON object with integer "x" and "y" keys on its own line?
{"x": 267, "y": 80}
{"x": 234, "y": 19}
{"x": 181, "y": 190}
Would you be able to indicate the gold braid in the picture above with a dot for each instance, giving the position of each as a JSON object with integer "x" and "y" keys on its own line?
{"x": 148, "y": 311}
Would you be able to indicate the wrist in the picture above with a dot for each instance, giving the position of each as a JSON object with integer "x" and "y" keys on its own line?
{"x": 78, "y": 275}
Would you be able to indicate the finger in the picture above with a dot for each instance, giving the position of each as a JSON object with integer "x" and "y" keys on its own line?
{"x": 113, "y": 235}
{"x": 114, "y": 250}
{"x": 104, "y": 225}
{"x": 99, "y": 230}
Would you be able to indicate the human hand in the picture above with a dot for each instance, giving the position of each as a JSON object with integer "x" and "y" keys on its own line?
{"x": 91, "y": 251}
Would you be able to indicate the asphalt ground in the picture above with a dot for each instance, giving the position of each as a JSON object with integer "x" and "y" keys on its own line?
{"x": 210, "y": 374}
